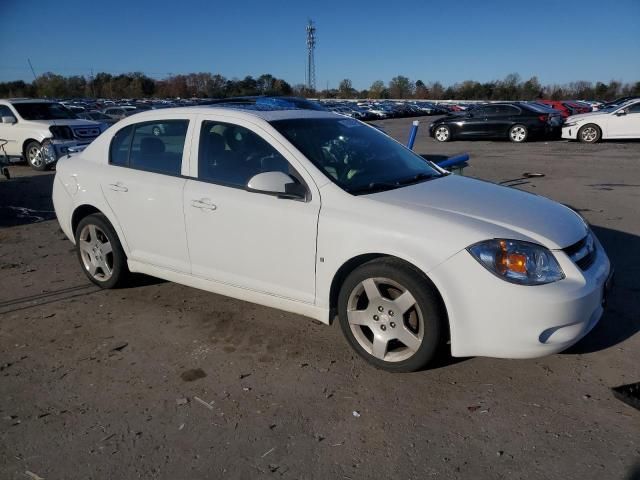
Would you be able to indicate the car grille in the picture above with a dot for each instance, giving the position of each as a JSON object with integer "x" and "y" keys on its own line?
{"x": 86, "y": 132}
{"x": 583, "y": 253}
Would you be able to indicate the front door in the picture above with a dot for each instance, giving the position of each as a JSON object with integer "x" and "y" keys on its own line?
{"x": 626, "y": 125}
{"x": 247, "y": 239}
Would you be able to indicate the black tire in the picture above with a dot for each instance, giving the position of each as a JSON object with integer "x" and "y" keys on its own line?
{"x": 35, "y": 161}
{"x": 518, "y": 133}
{"x": 442, "y": 133}
{"x": 117, "y": 258}
{"x": 426, "y": 300}
{"x": 589, "y": 133}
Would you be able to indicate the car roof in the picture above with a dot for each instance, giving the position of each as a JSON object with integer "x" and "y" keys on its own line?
{"x": 267, "y": 115}
{"x": 28, "y": 100}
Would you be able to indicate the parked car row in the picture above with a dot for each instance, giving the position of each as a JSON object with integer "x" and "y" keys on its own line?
{"x": 520, "y": 121}
{"x": 40, "y": 131}
{"x": 377, "y": 110}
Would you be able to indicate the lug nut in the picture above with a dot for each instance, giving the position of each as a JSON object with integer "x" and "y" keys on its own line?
{"x": 380, "y": 309}
{"x": 391, "y": 314}
{"x": 393, "y": 325}
{"x": 376, "y": 318}
{"x": 383, "y": 327}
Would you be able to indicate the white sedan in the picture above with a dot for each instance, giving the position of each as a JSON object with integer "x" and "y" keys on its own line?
{"x": 324, "y": 216}
{"x": 616, "y": 122}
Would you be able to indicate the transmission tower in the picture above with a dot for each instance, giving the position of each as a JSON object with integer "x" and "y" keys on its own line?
{"x": 310, "y": 72}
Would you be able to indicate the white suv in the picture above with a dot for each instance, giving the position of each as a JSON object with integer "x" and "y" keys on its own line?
{"x": 318, "y": 214}
{"x": 30, "y": 125}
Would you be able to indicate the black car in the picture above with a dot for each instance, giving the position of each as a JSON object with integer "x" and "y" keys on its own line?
{"x": 516, "y": 121}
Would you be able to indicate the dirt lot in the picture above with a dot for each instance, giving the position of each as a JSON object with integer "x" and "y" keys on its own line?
{"x": 165, "y": 382}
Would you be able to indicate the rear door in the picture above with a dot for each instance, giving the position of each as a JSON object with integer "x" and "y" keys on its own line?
{"x": 144, "y": 187}
{"x": 247, "y": 239}
{"x": 502, "y": 118}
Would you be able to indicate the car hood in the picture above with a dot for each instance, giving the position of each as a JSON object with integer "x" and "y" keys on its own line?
{"x": 71, "y": 122}
{"x": 583, "y": 116}
{"x": 493, "y": 209}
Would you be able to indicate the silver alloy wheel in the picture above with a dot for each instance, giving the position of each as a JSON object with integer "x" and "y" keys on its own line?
{"x": 442, "y": 134}
{"x": 34, "y": 156}
{"x": 96, "y": 252}
{"x": 589, "y": 134}
{"x": 385, "y": 319}
{"x": 518, "y": 134}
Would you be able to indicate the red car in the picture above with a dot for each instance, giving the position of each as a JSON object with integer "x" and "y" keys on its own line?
{"x": 565, "y": 107}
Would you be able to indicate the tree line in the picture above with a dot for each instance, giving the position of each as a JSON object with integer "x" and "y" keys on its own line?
{"x": 208, "y": 85}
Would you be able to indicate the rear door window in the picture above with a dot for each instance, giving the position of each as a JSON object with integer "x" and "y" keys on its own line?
{"x": 151, "y": 146}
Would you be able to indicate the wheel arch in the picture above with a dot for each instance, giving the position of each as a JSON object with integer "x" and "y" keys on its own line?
{"x": 85, "y": 209}
{"x": 27, "y": 142}
{"x": 81, "y": 212}
{"x": 350, "y": 265}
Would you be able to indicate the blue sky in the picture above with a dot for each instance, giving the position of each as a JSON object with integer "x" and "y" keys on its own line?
{"x": 449, "y": 41}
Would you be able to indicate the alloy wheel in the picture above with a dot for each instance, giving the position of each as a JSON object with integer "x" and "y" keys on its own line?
{"x": 589, "y": 134}
{"x": 442, "y": 134}
{"x": 34, "y": 156}
{"x": 518, "y": 134}
{"x": 385, "y": 319}
{"x": 96, "y": 252}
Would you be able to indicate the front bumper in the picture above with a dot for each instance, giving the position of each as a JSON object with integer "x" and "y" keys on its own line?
{"x": 570, "y": 133}
{"x": 53, "y": 148}
{"x": 491, "y": 317}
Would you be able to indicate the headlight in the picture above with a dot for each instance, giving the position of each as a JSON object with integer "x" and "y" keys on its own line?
{"x": 570, "y": 124}
{"x": 48, "y": 152}
{"x": 518, "y": 262}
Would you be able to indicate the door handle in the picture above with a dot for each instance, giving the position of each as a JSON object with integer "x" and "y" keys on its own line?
{"x": 203, "y": 204}
{"x": 118, "y": 187}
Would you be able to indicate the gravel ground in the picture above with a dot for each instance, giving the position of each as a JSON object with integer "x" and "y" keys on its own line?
{"x": 166, "y": 382}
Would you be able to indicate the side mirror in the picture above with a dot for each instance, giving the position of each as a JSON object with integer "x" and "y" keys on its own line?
{"x": 622, "y": 112}
{"x": 276, "y": 183}
{"x": 9, "y": 119}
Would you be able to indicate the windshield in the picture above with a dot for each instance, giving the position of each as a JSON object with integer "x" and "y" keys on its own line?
{"x": 43, "y": 111}
{"x": 358, "y": 158}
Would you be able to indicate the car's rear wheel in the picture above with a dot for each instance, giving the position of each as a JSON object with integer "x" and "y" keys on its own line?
{"x": 34, "y": 156}
{"x": 99, "y": 251}
{"x": 442, "y": 133}
{"x": 590, "y": 133}
{"x": 390, "y": 315}
{"x": 518, "y": 133}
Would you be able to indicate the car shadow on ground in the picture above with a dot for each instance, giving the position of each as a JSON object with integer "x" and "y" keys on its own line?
{"x": 620, "y": 320}
{"x": 25, "y": 200}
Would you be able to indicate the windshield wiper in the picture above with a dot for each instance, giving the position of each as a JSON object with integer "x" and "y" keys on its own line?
{"x": 383, "y": 186}
{"x": 374, "y": 187}
{"x": 420, "y": 177}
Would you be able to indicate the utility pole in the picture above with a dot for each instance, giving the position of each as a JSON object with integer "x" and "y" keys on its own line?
{"x": 310, "y": 72}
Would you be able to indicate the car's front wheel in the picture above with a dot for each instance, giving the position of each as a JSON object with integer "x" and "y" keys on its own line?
{"x": 518, "y": 133}
{"x": 589, "y": 133}
{"x": 442, "y": 133}
{"x": 35, "y": 156}
{"x": 391, "y": 315}
{"x": 99, "y": 251}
